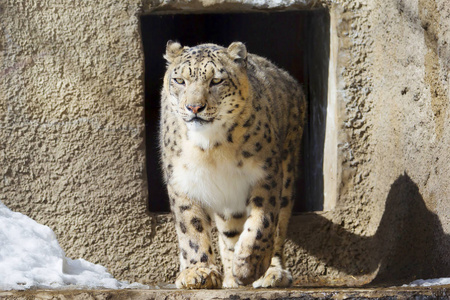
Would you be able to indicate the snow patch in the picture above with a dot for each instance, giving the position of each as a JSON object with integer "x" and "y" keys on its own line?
{"x": 30, "y": 257}
{"x": 430, "y": 282}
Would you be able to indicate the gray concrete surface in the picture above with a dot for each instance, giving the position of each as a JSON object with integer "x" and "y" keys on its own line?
{"x": 399, "y": 293}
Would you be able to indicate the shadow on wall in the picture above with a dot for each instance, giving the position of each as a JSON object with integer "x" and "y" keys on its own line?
{"x": 409, "y": 243}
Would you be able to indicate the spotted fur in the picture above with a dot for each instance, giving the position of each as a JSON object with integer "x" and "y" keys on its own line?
{"x": 230, "y": 131}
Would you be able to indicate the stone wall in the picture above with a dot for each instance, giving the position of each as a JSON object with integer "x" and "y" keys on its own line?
{"x": 72, "y": 152}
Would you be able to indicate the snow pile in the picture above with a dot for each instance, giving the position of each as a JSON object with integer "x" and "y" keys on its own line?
{"x": 30, "y": 257}
{"x": 430, "y": 282}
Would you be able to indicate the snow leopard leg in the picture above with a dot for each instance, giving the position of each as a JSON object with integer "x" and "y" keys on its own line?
{"x": 230, "y": 228}
{"x": 193, "y": 225}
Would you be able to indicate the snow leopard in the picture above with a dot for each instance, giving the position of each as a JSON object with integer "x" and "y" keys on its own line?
{"x": 230, "y": 131}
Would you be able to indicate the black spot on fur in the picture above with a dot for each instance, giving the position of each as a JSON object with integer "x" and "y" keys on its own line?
{"x": 258, "y": 201}
{"x": 268, "y": 163}
{"x": 240, "y": 164}
{"x": 258, "y": 147}
{"x": 183, "y": 227}
{"x": 266, "y": 186}
{"x": 184, "y": 253}
{"x": 237, "y": 215}
{"x": 232, "y": 128}
{"x": 287, "y": 183}
{"x": 184, "y": 207}
{"x": 210, "y": 250}
{"x": 197, "y": 223}
{"x": 246, "y": 137}
{"x": 246, "y": 154}
{"x": 272, "y": 201}
{"x": 193, "y": 246}
{"x": 193, "y": 261}
{"x": 265, "y": 222}
{"x": 284, "y": 202}
{"x": 250, "y": 121}
{"x": 204, "y": 258}
{"x": 258, "y": 234}
{"x": 231, "y": 233}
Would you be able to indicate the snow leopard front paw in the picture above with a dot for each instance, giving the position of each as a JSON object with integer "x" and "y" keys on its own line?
{"x": 250, "y": 262}
{"x": 199, "y": 277}
{"x": 274, "y": 277}
{"x": 229, "y": 282}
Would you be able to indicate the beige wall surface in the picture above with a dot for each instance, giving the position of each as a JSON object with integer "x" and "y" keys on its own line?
{"x": 72, "y": 151}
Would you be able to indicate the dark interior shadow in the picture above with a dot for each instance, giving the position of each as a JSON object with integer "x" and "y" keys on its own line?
{"x": 302, "y": 48}
{"x": 408, "y": 244}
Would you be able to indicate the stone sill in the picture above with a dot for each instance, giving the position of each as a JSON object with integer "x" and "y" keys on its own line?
{"x": 440, "y": 292}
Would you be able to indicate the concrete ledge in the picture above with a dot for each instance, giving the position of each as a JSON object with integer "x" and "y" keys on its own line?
{"x": 441, "y": 292}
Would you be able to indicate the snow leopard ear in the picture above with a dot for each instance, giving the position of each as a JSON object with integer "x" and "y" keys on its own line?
{"x": 173, "y": 50}
{"x": 238, "y": 52}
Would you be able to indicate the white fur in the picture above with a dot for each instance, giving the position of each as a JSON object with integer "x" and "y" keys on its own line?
{"x": 214, "y": 179}
{"x": 206, "y": 135}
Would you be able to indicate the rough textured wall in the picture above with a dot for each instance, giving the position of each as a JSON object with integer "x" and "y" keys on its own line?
{"x": 411, "y": 132}
{"x": 391, "y": 221}
{"x": 71, "y": 127}
{"x": 72, "y": 153}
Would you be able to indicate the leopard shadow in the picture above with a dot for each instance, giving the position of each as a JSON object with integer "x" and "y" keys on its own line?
{"x": 409, "y": 243}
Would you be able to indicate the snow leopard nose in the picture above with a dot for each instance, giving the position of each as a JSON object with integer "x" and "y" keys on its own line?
{"x": 195, "y": 108}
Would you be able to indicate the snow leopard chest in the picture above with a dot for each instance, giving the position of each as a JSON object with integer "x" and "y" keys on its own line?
{"x": 217, "y": 180}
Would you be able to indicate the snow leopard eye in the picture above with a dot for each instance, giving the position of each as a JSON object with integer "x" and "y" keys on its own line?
{"x": 179, "y": 80}
{"x": 216, "y": 81}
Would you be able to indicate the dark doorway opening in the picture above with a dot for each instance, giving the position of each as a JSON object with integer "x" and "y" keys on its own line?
{"x": 297, "y": 41}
